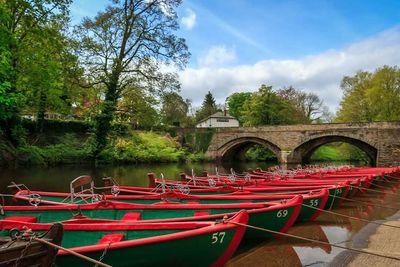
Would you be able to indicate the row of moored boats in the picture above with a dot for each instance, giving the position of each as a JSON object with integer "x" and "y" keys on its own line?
{"x": 196, "y": 221}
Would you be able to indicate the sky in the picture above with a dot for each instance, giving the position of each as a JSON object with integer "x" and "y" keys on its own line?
{"x": 237, "y": 45}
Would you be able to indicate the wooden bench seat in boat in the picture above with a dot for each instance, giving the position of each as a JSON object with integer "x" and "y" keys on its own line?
{"x": 111, "y": 238}
{"x": 131, "y": 216}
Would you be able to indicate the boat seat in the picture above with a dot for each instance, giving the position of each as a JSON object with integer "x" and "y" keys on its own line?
{"x": 131, "y": 216}
{"x": 111, "y": 238}
{"x": 26, "y": 219}
{"x": 201, "y": 213}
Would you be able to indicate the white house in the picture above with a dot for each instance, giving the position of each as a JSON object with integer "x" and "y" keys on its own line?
{"x": 219, "y": 119}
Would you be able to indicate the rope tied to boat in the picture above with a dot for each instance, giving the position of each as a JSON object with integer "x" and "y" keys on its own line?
{"x": 23, "y": 253}
{"x": 350, "y": 217}
{"x": 223, "y": 220}
{"x": 104, "y": 253}
{"x": 367, "y": 203}
{"x": 28, "y": 235}
{"x": 374, "y": 190}
{"x": 391, "y": 176}
{"x": 363, "y": 251}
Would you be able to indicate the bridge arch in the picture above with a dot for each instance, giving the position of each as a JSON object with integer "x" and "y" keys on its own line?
{"x": 236, "y": 148}
{"x": 305, "y": 150}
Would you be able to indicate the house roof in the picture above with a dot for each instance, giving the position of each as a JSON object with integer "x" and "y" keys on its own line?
{"x": 218, "y": 115}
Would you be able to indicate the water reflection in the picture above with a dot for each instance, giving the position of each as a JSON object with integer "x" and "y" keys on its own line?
{"x": 58, "y": 178}
{"x": 329, "y": 228}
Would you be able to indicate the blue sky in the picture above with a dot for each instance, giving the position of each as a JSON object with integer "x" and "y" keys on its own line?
{"x": 237, "y": 45}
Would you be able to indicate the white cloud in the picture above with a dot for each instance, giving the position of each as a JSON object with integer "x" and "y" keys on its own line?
{"x": 190, "y": 19}
{"x": 217, "y": 56}
{"x": 320, "y": 73}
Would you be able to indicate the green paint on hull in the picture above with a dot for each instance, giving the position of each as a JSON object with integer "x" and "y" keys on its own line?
{"x": 376, "y": 180}
{"x": 335, "y": 195}
{"x": 269, "y": 220}
{"x": 193, "y": 251}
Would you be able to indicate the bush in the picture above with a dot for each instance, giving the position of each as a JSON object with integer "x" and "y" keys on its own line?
{"x": 259, "y": 153}
{"x": 143, "y": 147}
{"x": 31, "y": 155}
{"x": 197, "y": 157}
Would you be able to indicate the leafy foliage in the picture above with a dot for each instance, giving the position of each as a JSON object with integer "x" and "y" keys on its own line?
{"x": 338, "y": 151}
{"x": 265, "y": 107}
{"x": 308, "y": 107}
{"x": 143, "y": 147}
{"x": 236, "y": 103}
{"x": 259, "y": 153}
{"x": 23, "y": 24}
{"x": 174, "y": 109}
{"x": 137, "y": 108}
{"x": 371, "y": 96}
{"x": 125, "y": 47}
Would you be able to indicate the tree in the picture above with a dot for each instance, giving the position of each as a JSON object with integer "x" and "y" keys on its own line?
{"x": 126, "y": 46}
{"x": 174, "y": 108}
{"x": 383, "y": 95}
{"x": 265, "y": 107}
{"x": 354, "y": 105}
{"x": 235, "y": 104}
{"x": 138, "y": 108}
{"x": 208, "y": 107}
{"x": 308, "y": 106}
{"x": 371, "y": 96}
{"x": 22, "y": 22}
{"x": 47, "y": 83}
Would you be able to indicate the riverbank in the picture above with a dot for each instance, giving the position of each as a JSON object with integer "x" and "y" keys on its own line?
{"x": 71, "y": 148}
{"x": 384, "y": 240}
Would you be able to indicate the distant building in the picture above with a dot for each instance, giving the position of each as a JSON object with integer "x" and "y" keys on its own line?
{"x": 218, "y": 120}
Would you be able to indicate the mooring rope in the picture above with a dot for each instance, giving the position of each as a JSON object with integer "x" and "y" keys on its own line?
{"x": 318, "y": 241}
{"x": 350, "y": 217}
{"x": 391, "y": 176}
{"x": 374, "y": 190}
{"x": 367, "y": 203}
{"x": 381, "y": 186}
{"x": 385, "y": 180}
{"x": 71, "y": 252}
{"x": 7, "y": 195}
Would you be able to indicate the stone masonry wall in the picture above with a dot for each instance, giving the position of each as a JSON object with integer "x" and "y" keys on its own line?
{"x": 292, "y": 141}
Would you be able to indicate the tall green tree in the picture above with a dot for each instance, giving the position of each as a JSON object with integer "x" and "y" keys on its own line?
{"x": 265, "y": 107}
{"x": 47, "y": 82}
{"x": 126, "y": 46}
{"x": 235, "y": 104}
{"x": 354, "y": 105}
{"x": 384, "y": 94}
{"x": 208, "y": 107}
{"x": 371, "y": 96}
{"x": 22, "y": 22}
{"x": 308, "y": 106}
{"x": 174, "y": 108}
{"x": 137, "y": 108}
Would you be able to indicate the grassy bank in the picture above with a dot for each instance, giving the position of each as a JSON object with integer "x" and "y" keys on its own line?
{"x": 73, "y": 148}
{"x": 339, "y": 152}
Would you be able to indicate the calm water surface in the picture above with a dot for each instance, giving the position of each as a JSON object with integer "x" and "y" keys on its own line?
{"x": 274, "y": 252}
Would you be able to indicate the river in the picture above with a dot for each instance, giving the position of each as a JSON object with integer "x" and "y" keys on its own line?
{"x": 274, "y": 252}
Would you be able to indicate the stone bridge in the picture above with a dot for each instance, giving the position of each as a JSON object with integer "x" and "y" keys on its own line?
{"x": 296, "y": 143}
